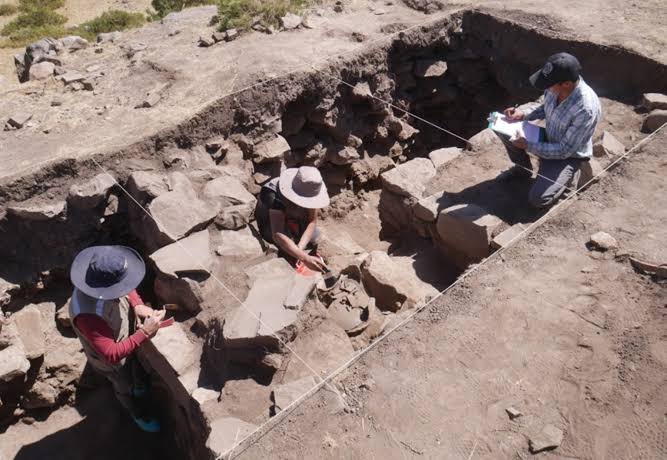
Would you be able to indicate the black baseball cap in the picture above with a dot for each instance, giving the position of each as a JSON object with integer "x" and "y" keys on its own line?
{"x": 559, "y": 68}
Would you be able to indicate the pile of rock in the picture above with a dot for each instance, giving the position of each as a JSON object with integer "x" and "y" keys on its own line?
{"x": 42, "y": 59}
{"x": 656, "y": 104}
{"x": 218, "y": 37}
{"x": 31, "y": 345}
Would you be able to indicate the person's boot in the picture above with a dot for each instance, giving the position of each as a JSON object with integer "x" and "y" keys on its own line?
{"x": 147, "y": 423}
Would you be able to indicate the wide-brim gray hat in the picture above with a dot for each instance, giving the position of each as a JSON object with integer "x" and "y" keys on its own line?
{"x": 304, "y": 187}
{"x": 107, "y": 272}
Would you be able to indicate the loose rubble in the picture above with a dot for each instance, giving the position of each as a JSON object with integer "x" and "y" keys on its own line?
{"x": 603, "y": 241}
{"x": 548, "y": 439}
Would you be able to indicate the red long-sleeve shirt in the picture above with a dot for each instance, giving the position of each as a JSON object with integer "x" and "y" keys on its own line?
{"x": 100, "y": 335}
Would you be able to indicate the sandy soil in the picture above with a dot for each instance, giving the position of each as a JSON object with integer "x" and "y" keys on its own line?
{"x": 192, "y": 72}
{"x": 567, "y": 336}
{"x": 76, "y": 11}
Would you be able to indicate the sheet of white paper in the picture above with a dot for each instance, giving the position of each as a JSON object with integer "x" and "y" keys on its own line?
{"x": 514, "y": 129}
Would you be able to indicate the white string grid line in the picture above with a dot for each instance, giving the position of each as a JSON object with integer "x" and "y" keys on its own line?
{"x": 294, "y": 70}
{"x": 324, "y": 381}
{"x": 203, "y": 267}
{"x": 388, "y": 37}
{"x": 271, "y": 423}
{"x": 446, "y": 131}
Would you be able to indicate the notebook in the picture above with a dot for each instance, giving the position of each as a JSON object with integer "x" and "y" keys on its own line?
{"x": 515, "y": 129}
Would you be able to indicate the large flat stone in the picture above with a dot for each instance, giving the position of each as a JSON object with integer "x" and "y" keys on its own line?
{"x": 91, "y": 193}
{"x": 549, "y": 438}
{"x": 178, "y": 213}
{"x": 299, "y": 290}
{"x": 504, "y": 238}
{"x": 485, "y": 139}
{"x": 271, "y": 150}
{"x": 410, "y": 178}
{"x": 591, "y": 171}
{"x": 235, "y": 217}
{"x": 189, "y": 255}
{"x": 28, "y": 322}
{"x": 651, "y": 101}
{"x": 608, "y": 145}
{"x": 227, "y": 191}
{"x": 41, "y": 70}
{"x": 286, "y": 394}
{"x": 177, "y": 349}
{"x": 262, "y": 317}
{"x": 226, "y": 433}
{"x": 238, "y": 244}
{"x": 13, "y": 363}
{"x": 65, "y": 360}
{"x": 441, "y": 157}
{"x": 430, "y": 68}
{"x": 654, "y": 120}
{"x": 466, "y": 231}
{"x": 146, "y": 185}
{"x": 386, "y": 281}
{"x": 39, "y": 212}
{"x": 273, "y": 268}
{"x": 427, "y": 209}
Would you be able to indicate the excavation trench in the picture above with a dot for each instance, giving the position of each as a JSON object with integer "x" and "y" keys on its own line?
{"x": 211, "y": 375}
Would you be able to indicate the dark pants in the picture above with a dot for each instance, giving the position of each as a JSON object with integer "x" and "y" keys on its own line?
{"x": 130, "y": 381}
{"x": 554, "y": 177}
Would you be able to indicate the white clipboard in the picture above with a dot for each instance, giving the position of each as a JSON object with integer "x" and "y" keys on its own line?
{"x": 514, "y": 129}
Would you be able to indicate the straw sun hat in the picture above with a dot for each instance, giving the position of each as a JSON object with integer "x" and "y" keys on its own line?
{"x": 304, "y": 187}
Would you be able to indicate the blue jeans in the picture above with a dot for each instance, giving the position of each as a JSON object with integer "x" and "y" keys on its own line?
{"x": 554, "y": 177}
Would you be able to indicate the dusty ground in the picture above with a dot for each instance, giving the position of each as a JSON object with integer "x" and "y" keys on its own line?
{"x": 192, "y": 72}
{"x": 76, "y": 11}
{"x": 567, "y": 336}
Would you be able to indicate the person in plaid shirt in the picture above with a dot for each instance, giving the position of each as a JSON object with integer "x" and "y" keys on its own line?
{"x": 571, "y": 110}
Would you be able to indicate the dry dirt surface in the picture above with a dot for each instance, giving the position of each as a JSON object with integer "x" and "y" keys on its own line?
{"x": 196, "y": 77}
{"x": 76, "y": 11}
{"x": 567, "y": 336}
{"x": 561, "y": 337}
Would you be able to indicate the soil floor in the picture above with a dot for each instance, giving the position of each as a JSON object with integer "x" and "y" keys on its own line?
{"x": 568, "y": 336}
{"x": 191, "y": 72}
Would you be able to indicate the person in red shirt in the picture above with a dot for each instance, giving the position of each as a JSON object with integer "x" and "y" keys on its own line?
{"x": 104, "y": 309}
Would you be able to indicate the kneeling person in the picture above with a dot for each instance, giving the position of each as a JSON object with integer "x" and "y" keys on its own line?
{"x": 571, "y": 110}
{"x": 287, "y": 212}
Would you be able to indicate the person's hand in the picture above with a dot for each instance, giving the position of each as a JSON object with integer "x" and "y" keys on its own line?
{"x": 143, "y": 311}
{"x": 152, "y": 323}
{"x": 314, "y": 263}
{"x": 520, "y": 143}
{"x": 514, "y": 114}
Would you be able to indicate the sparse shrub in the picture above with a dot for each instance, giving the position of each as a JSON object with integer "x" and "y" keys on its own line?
{"x": 164, "y": 7}
{"x": 37, "y": 19}
{"x": 33, "y": 19}
{"x": 27, "y": 5}
{"x": 110, "y": 21}
{"x": 239, "y": 14}
{"x": 7, "y": 10}
{"x": 24, "y": 37}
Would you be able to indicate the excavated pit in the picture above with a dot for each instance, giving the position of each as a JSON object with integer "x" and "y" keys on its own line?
{"x": 452, "y": 73}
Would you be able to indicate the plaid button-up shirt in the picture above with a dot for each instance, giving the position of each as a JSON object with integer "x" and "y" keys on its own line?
{"x": 570, "y": 124}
